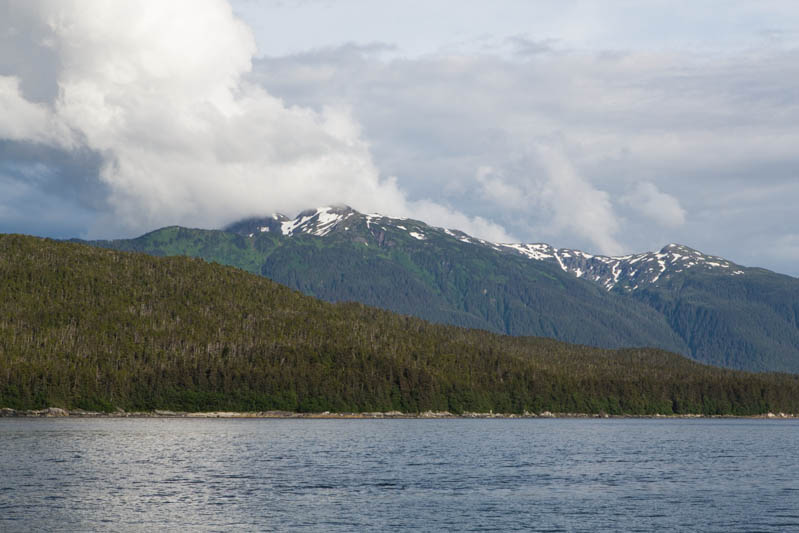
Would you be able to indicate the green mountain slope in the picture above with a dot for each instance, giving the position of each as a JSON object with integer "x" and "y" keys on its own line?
{"x": 749, "y": 321}
{"x": 677, "y": 299}
{"x": 726, "y": 314}
{"x": 91, "y": 328}
{"x": 439, "y": 279}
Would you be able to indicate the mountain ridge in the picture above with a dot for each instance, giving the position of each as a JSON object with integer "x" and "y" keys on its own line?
{"x": 608, "y": 271}
{"x": 676, "y": 299}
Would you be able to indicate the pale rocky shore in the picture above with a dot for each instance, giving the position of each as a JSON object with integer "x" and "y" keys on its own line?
{"x": 57, "y": 412}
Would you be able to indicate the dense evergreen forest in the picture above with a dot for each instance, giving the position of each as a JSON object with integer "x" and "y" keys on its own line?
{"x": 747, "y": 322}
{"x": 82, "y": 327}
{"x": 439, "y": 279}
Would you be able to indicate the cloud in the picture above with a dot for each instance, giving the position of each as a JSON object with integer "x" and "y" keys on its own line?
{"x": 532, "y": 134}
{"x": 570, "y": 202}
{"x": 661, "y": 207}
{"x": 157, "y": 91}
{"x": 440, "y": 215}
{"x": 525, "y": 47}
{"x": 786, "y": 247}
{"x": 495, "y": 188}
{"x": 638, "y": 139}
{"x": 27, "y": 208}
{"x": 578, "y": 206}
{"x": 28, "y": 121}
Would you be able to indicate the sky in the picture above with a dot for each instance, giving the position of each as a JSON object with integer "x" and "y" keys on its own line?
{"x": 613, "y": 127}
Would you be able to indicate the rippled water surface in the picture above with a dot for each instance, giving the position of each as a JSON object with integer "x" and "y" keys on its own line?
{"x": 373, "y": 475}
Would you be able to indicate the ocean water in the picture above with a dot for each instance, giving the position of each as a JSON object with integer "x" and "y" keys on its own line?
{"x": 390, "y": 475}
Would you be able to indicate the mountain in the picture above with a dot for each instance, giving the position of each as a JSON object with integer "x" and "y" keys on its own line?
{"x": 82, "y": 327}
{"x": 676, "y": 299}
{"x": 406, "y": 266}
{"x": 727, "y": 314}
{"x": 629, "y": 272}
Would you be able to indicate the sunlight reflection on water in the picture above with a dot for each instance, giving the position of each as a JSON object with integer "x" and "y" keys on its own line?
{"x": 356, "y": 475}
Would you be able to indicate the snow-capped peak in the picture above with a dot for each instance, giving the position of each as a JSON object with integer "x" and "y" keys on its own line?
{"x": 629, "y": 272}
{"x": 319, "y": 221}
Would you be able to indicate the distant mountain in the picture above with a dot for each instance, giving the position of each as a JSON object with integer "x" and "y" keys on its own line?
{"x": 677, "y": 299}
{"x": 82, "y": 327}
{"x": 727, "y": 314}
{"x": 406, "y": 266}
{"x": 629, "y": 272}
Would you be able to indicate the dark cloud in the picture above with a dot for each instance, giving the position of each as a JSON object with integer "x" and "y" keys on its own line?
{"x": 27, "y": 208}
{"x": 50, "y": 191}
{"x": 69, "y": 174}
{"x": 525, "y": 47}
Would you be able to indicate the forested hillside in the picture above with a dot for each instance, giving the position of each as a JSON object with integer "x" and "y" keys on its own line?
{"x": 677, "y": 299}
{"x": 99, "y": 329}
{"x": 749, "y": 321}
{"x": 440, "y": 279}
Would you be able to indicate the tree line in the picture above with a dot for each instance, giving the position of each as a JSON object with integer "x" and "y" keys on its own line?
{"x": 82, "y": 327}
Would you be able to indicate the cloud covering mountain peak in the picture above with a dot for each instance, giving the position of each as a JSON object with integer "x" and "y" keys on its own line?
{"x": 157, "y": 90}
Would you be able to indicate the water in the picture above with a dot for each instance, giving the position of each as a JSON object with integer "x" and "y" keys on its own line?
{"x": 387, "y": 475}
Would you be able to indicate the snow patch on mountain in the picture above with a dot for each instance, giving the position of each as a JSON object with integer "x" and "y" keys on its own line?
{"x": 319, "y": 222}
{"x": 533, "y": 251}
{"x": 628, "y": 272}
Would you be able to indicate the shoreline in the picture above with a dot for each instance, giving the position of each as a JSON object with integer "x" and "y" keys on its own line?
{"x": 57, "y": 412}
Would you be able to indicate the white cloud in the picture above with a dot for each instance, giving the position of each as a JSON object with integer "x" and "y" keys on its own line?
{"x": 157, "y": 89}
{"x": 659, "y": 206}
{"x": 698, "y": 127}
{"x": 420, "y": 27}
{"x": 570, "y": 203}
{"x": 634, "y": 138}
{"x": 24, "y": 120}
{"x": 495, "y": 188}
{"x": 579, "y": 206}
{"x": 439, "y": 215}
